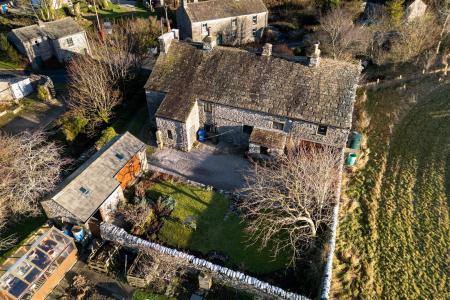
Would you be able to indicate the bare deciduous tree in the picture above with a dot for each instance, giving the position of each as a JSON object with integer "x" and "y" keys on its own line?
{"x": 92, "y": 92}
{"x": 97, "y": 83}
{"x": 415, "y": 38}
{"x": 30, "y": 167}
{"x": 288, "y": 201}
{"x": 341, "y": 37}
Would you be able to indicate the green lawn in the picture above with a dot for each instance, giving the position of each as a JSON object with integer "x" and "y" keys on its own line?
{"x": 393, "y": 234}
{"x": 117, "y": 11}
{"x": 216, "y": 230}
{"x": 6, "y": 65}
{"x": 143, "y": 295}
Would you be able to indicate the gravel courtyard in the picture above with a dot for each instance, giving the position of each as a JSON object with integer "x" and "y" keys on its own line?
{"x": 206, "y": 164}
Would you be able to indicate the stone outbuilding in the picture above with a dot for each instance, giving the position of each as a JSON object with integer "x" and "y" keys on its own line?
{"x": 229, "y": 22}
{"x": 91, "y": 193}
{"x": 231, "y": 92}
{"x": 59, "y": 39}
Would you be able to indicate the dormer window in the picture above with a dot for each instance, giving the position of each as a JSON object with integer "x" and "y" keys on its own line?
{"x": 255, "y": 20}
{"x": 322, "y": 130}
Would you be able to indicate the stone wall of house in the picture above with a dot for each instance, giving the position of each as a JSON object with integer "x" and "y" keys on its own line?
{"x": 192, "y": 125}
{"x": 108, "y": 207}
{"x": 415, "y": 9}
{"x": 230, "y": 121}
{"x": 64, "y": 50}
{"x": 154, "y": 100}
{"x": 222, "y": 29}
{"x": 55, "y": 211}
{"x": 178, "y": 131}
{"x": 40, "y": 48}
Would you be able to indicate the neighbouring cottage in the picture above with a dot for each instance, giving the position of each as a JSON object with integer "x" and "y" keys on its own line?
{"x": 37, "y": 266}
{"x": 249, "y": 99}
{"x": 228, "y": 22}
{"x": 57, "y": 39}
{"x": 92, "y": 192}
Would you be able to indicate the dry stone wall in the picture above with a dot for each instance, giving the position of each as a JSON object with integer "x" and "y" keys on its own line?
{"x": 116, "y": 234}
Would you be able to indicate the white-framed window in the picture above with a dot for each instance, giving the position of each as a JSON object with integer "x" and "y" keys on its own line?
{"x": 207, "y": 107}
{"x": 69, "y": 42}
{"x": 254, "y": 32}
{"x": 278, "y": 125}
{"x": 322, "y": 130}
{"x": 255, "y": 20}
{"x": 205, "y": 28}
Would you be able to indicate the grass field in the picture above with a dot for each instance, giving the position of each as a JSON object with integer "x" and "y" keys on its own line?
{"x": 393, "y": 234}
{"x": 216, "y": 229}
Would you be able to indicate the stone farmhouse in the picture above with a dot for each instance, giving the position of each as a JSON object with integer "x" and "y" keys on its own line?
{"x": 91, "y": 193}
{"x": 228, "y": 22}
{"x": 58, "y": 39}
{"x": 249, "y": 99}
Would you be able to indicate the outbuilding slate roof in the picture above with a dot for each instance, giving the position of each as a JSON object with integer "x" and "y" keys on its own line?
{"x": 219, "y": 9}
{"x": 96, "y": 176}
{"x": 53, "y": 30}
{"x": 323, "y": 94}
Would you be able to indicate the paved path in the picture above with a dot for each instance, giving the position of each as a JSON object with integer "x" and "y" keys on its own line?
{"x": 31, "y": 119}
{"x": 205, "y": 165}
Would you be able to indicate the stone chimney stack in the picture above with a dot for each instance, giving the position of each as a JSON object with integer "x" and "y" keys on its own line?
{"x": 314, "y": 59}
{"x": 267, "y": 50}
{"x": 166, "y": 39}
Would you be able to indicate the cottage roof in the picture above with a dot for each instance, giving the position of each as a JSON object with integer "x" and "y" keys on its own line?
{"x": 219, "y": 9}
{"x": 53, "y": 30}
{"x": 85, "y": 190}
{"x": 270, "y": 138}
{"x": 323, "y": 94}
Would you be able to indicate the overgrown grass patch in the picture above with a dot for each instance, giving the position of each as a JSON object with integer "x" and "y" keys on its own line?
{"x": 202, "y": 222}
{"x": 393, "y": 234}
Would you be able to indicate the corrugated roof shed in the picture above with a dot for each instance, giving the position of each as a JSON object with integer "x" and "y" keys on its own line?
{"x": 323, "y": 94}
{"x": 219, "y": 9}
{"x": 53, "y": 30}
{"x": 84, "y": 191}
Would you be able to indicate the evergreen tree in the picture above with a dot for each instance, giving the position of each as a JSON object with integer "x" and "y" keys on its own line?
{"x": 396, "y": 10}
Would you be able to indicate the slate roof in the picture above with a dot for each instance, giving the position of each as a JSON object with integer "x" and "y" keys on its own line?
{"x": 53, "y": 30}
{"x": 237, "y": 78}
{"x": 219, "y": 9}
{"x": 96, "y": 176}
{"x": 270, "y": 138}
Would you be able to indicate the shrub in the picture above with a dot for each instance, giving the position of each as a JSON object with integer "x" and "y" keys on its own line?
{"x": 107, "y": 135}
{"x": 72, "y": 126}
{"x": 7, "y": 51}
{"x": 43, "y": 93}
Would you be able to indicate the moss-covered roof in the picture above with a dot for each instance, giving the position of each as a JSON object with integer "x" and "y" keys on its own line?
{"x": 323, "y": 94}
{"x": 53, "y": 30}
{"x": 219, "y": 9}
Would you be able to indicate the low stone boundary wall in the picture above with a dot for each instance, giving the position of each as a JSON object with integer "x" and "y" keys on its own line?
{"x": 116, "y": 234}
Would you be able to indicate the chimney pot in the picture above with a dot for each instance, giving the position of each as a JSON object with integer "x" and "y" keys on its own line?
{"x": 267, "y": 50}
